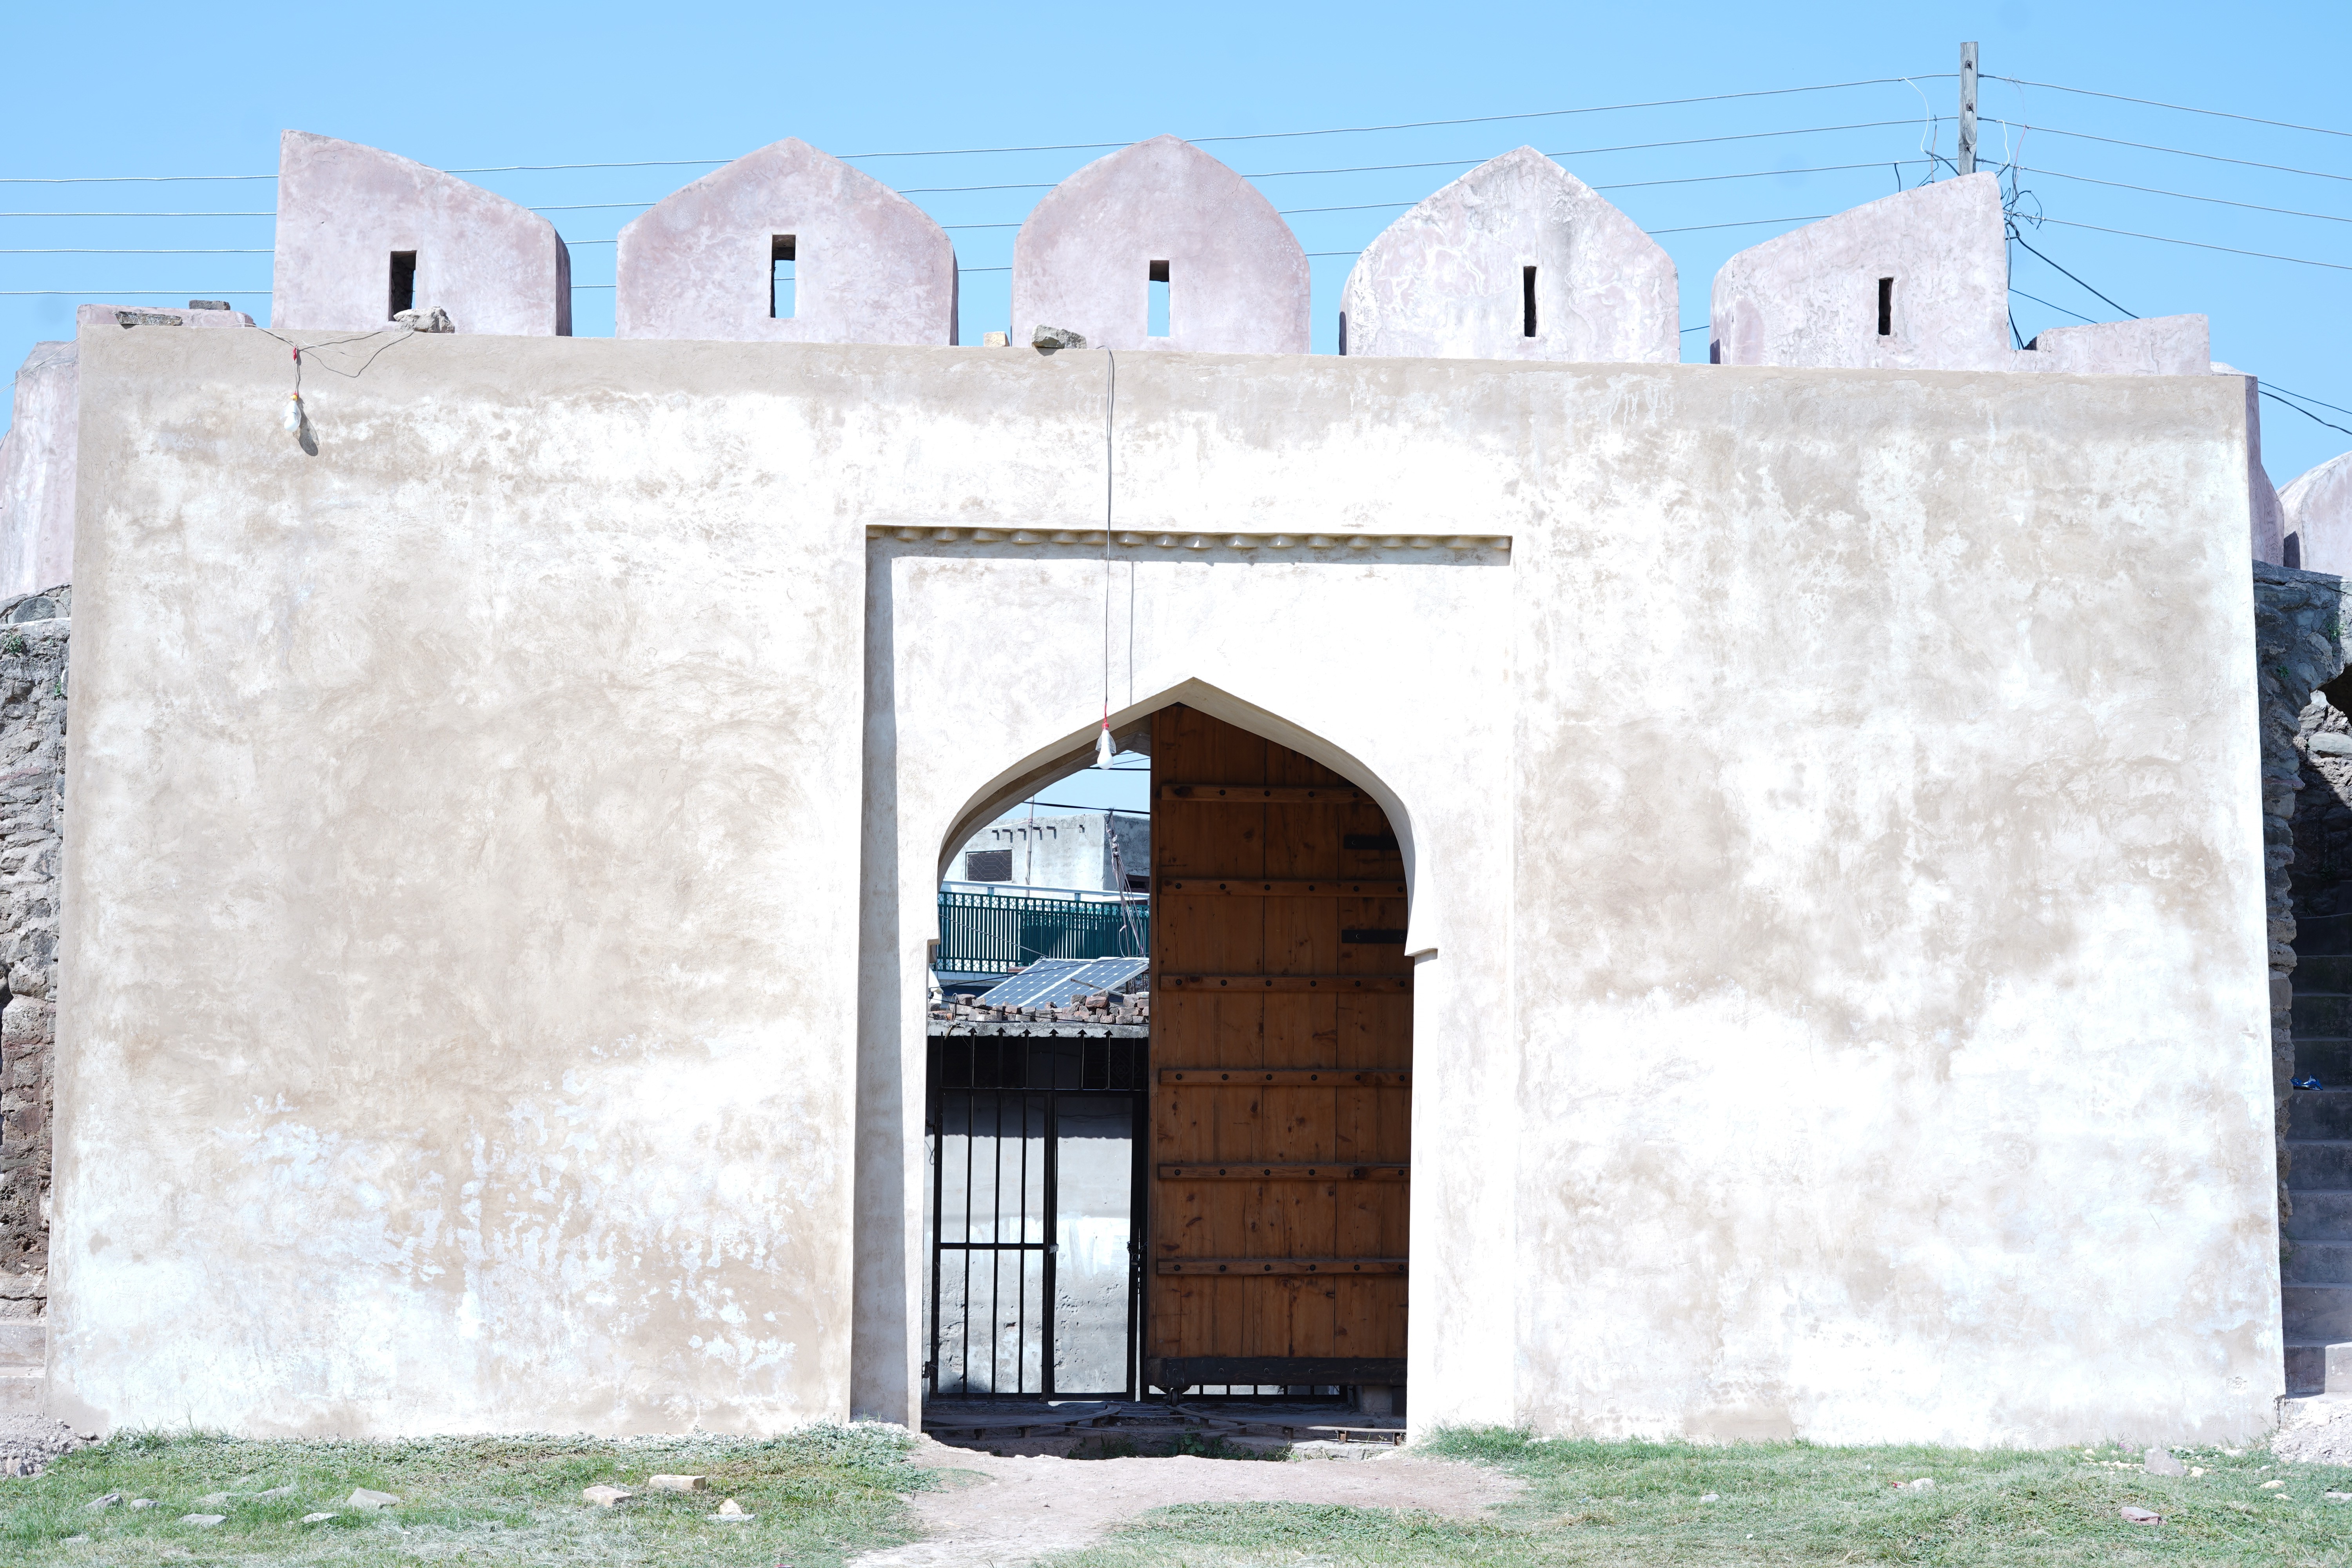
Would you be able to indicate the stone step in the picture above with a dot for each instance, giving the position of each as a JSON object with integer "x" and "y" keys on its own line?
{"x": 21, "y": 1390}
{"x": 2319, "y": 1113}
{"x": 2327, "y": 972}
{"x": 2318, "y": 1369}
{"x": 2318, "y": 1163}
{"x": 2318, "y": 1263}
{"x": 2328, "y": 1061}
{"x": 2322, "y": 936}
{"x": 2321, "y": 1216}
{"x": 2317, "y": 1315}
{"x": 2320, "y": 1014}
{"x": 23, "y": 1343}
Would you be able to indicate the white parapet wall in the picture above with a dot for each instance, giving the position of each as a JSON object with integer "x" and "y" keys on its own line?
{"x": 1830, "y": 799}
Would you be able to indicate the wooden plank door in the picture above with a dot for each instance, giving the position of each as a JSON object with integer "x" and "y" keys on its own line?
{"x": 1282, "y": 1059}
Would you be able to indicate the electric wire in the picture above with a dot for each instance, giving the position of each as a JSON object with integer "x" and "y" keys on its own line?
{"x": 2190, "y": 196}
{"x": 2306, "y": 413}
{"x": 2186, "y": 153}
{"x": 2197, "y": 244}
{"x": 2157, "y": 103}
{"x": 1045, "y": 147}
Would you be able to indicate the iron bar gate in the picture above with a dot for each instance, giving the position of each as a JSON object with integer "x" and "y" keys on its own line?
{"x": 1037, "y": 1147}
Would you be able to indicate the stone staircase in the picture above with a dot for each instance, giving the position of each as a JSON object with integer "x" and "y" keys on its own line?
{"x": 2316, "y": 1287}
{"x": 24, "y": 1365}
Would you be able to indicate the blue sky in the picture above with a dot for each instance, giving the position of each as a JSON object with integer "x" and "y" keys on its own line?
{"x": 151, "y": 90}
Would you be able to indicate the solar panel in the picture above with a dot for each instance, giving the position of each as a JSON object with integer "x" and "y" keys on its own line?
{"x": 1057, "y": 982}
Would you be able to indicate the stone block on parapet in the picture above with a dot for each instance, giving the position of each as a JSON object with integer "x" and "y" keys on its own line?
{"x": 2316, "y": 516}
{"x": 1517, "y": 259}
{"x": 1917, "y": 281}
{"x": 786, "y": 245}
{"x": 122, "y": 318}
{"x": 363, "y": 233}
{"x": 2157, "y": 346}
{"x": 37, "y": 472}
{"x": 1162, "y": 212}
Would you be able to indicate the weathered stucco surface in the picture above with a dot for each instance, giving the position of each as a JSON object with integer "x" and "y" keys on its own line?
{"x": 1448, "y": 279}
{"x": 1810, "y": 296}
{"x": 870, "y": 265}
{"x": 36, "y": 473}
{"x": 343, "y": 211}
{"x": 2317, "y": 507}
{"x": 459, "y": 1031}
{"x": 2158, "y": 345}
{"x": 1237, "y": 278}
{"x": 1896, "y": 1067}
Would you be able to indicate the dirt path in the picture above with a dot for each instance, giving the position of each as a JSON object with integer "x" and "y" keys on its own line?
{"x": 1007, "y": 1512}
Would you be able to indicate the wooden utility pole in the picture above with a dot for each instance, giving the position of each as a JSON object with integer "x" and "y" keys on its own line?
{"x": 1967, "y": 109}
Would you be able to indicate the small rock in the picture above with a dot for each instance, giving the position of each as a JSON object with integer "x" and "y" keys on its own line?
{"x": 674, "y": 1484}
{"x": 2160, "y": 1462}
{"x": 316, "y": 1518}
{"x": 2139, "y": 1515}
{"x": 2273, "y": 1486}
{"x": 996, "y": 340}
{"x": 2330, "y": 743}
{"x": 605, "y": 1497}
{"x": 144, "y": 1502}
{"x": 274, "y": 1492}
{"x": 207, "y": 304}
{"x": 202, "y": 1520}
{"x": 732, "y": 1513}
{"x": 362, "y": 1497}
{"x": 100, "y": 1504}
{"x": 1046, "y": 339}
{"x": 1924, "y": 1484}
{"x": 71, "y": 1539}
{"x": 2196, "y": 1469}
{"x": 1710, "y": 1498}
{"x": 2337, "y": 1496}
{"x": 435, "y": 320}
{"x": 20, "y": 1467}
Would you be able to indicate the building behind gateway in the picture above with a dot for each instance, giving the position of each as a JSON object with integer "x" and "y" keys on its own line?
{"x": 1829, "y": 781}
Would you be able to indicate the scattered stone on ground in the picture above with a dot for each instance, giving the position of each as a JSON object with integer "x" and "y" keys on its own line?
{"x": 202, "y": 1520}
{"x": 994, "y": 1511}
{"x": 2317, "y": 1432}
{"x": 1924, "y": 1484}
{"x": 732, "y": 1513}
{"x": 144, "y": 1502}
{"x": 362, "y": 1497}
{"x": 605, "y": 1497}
{"x": 2160, "y": 1462}
{"x": 274, "y": 1492}
{"x": 675, "y": 1483}
{"x": 100, "y": 1504}
{"x": 316, "y": 1518}
{"x": 27, "y": 1468}
{"x": 2139, "y": 1515}
{"x": 37, "y": 1437}
{"x": 1710, "y": 1498}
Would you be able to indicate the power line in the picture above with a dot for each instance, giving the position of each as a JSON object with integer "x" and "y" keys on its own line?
{"x": 2187, "y": 196}
{"x": 2185, "y": 153}
{"x": 2198, "y": 244}
{"x": 2020, "y": 239}
{"x": 2088, "y": 320}
{"x": 2183, "y": 108}
{"x": 2306, "y": 413}
{"x": 1045, "y": 147}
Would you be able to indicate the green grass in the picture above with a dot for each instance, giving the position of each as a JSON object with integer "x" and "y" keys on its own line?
{"x": 820, "y": 1495}
{"x": 1640, "y": 1503}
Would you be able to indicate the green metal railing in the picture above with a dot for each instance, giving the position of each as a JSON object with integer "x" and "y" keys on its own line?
{"x": 979, "y": 933}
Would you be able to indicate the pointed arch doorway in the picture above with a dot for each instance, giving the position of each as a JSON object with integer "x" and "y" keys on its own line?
{"x": 1281, "y": 1069}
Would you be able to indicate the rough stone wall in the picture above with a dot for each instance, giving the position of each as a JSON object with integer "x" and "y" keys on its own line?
{"x": 2299, "y": 639}
{"x": 33, "y": 647}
